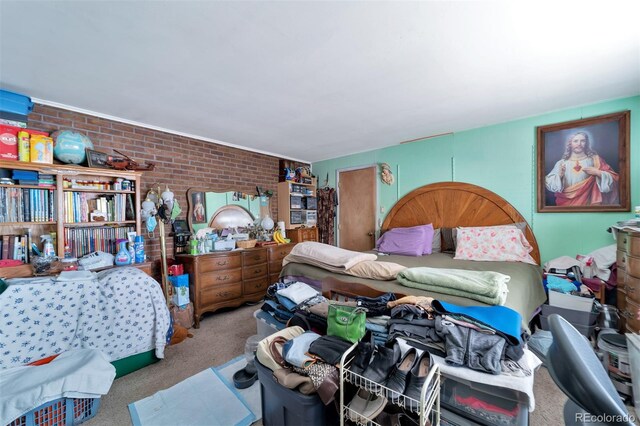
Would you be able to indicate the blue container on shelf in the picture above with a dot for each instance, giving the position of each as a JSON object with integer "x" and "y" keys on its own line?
{"x": 15, "y": 103}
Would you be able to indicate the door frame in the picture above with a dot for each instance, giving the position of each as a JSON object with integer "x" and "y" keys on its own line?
{"x": 377, "y": 208}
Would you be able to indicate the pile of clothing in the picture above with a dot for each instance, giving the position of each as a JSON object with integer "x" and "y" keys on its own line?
{"x": 304, "y": 360}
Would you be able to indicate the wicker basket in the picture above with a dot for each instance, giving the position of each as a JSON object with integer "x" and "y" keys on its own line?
{"x": 246, "y": 243}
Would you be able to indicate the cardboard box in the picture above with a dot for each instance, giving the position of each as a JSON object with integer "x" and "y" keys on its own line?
{"x": 41, "y": 149}
{"x": 9, "y": 142}
{"x": 570, "y": 301}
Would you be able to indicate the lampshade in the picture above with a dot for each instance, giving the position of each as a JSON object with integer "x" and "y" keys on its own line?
{"x": 167, "y": 195}
{"x": 267, "y": 223}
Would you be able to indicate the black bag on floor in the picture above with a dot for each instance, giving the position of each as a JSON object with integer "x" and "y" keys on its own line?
{"x": 308, "y": 321}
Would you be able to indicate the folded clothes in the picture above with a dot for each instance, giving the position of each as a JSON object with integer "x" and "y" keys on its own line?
{"x": 560, "y": 284}
{"x": 298, "y": 292}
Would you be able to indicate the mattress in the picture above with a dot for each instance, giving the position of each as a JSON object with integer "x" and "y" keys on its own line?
{"x": 525, "y": 296}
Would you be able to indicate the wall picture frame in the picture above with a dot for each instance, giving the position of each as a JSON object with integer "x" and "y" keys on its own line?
{"x": 97, "y": 159}
{"x": 583, "y": 165}
{"x": 199, "y": 210}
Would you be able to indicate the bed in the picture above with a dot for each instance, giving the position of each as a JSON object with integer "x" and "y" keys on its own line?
{"x": 121, "y": 311}
{"x": 445, "y": 205}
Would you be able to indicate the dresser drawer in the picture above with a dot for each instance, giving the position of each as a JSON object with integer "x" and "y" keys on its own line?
{"x": 633, "y": 266}
{"x": 221, "y": 293}
{"x": 622, "y": 241}
{"x": 217, "y": 263}
{"x": 254, "y": 271}
{"x": 631, "y": 287}
{"x": 275, "y": 267}
{"x": 254, "y": 257}
{"x": 621, "y": 259}
{"x": 631, "y": 313}
{"x": 277, "y": 253}
{"x": 633, "y": 246}
{"x": 215, "y": 278}
{"x": 255, "y": 286}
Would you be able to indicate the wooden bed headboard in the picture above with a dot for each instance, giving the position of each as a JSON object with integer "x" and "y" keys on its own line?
{"x": 452, "y": 204}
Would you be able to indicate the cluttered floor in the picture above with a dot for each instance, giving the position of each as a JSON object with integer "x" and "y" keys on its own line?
{"x": 222, "y": 337}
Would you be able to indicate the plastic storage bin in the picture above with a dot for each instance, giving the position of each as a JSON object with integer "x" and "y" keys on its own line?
{"x": 266, "y": 324}
{"x": 286, "y": 407}
{"x": 483, "y": 404}
{"x": 60, "y": 412}
{"x": 583, "y": 321}
{"x": 15, "y": 103}
{"x": 296, "y": 202}
{"x": 296, "y": 218}
{"x": 570, "y": 301}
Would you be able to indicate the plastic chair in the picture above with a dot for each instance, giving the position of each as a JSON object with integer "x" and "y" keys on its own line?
{"x": 578, "y": 372}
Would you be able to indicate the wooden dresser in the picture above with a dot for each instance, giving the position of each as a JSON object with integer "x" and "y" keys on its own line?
{"x": 299, "y": 235}
{"x": 628, "y": 296}
{"x": 229, "y": 279}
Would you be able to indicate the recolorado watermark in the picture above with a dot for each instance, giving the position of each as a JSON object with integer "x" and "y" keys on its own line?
{"x": 605, "y": 418}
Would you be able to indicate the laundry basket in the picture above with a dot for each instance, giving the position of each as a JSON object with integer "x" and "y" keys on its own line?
{"x": 60, "y": 412}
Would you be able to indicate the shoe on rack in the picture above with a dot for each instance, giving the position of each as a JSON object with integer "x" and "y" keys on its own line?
{"x": 416, "y": 379}
{"x": 397, "y": 380}
{"x": 388, "y": 419}
{"x": 365, "y": 406}
{"x": 364, "y": 352}
{"x": 384, "y": 359}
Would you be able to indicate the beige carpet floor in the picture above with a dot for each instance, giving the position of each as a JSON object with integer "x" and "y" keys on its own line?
{"x": 220, "y": 338}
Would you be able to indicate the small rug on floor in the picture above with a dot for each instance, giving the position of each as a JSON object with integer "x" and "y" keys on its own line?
{"x": 208, "y": 398}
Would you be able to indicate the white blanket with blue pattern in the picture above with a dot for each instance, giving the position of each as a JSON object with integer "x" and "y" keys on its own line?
{"x": 121, "y": 311}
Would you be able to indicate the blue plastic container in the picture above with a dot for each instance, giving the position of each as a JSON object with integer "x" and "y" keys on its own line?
{"x": 15, "y": 103}
{"x": 60, "y": 412}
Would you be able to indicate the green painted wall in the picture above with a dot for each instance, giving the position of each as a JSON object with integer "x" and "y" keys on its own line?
{"x": 500, "y": 158}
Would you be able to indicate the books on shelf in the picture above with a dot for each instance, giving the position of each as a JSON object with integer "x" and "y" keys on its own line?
{"x": 27, "y": 205}
{"x": 80, "y": 205}
{"x": 16, "y": 247}
{"x": 82, "y": 241}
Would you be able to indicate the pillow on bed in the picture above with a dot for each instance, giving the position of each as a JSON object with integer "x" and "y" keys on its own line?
{"x": 436, "y": 244}
{"x": 493, "y": 243}
{"x": 409, "y": 241}
{"x": 374, "y": 270}
{"x": 449, "y": 236}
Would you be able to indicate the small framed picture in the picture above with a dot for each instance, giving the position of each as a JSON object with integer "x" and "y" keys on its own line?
{"x": 198, "y": 209}
{"x": 583, "y": 165}
{"x": 97, "y": 159}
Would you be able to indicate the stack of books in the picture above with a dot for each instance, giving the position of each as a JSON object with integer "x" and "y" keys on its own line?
{"x": 25, "y": 177}
{"x": 47, "y": 181}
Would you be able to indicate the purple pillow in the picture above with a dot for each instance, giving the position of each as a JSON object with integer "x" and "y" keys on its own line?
{"x": 410, "y": 241}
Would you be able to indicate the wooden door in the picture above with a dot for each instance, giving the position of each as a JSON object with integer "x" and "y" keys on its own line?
{"x": 357, "y": 208}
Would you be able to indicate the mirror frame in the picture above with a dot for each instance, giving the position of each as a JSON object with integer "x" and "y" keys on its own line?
{"x": 190, "y": 191}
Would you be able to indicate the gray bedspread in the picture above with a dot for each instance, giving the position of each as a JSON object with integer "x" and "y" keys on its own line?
{"x": 526, "y": 293}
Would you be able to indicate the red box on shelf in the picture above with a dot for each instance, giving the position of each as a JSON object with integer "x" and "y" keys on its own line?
{"x": 9, "y": 142}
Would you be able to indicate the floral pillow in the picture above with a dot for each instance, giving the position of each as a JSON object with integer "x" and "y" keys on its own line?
{"x": 493, "y": 243}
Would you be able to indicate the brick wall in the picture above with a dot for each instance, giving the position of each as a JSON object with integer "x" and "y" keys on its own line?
{"x": 181, "y": 162}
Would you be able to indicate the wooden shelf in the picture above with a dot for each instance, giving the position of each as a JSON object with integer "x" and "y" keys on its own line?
{"x": 99, "y": 191}
{"x": 69, "y": 170}
{"x": 4, "y": 185}
{"x": 26, "y": 223}
{"x": 84, "y": 224}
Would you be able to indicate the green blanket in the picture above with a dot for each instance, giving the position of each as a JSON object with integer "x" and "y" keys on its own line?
{"x": 484, "y": 286}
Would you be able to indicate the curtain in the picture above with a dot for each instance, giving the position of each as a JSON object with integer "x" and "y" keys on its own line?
{"x": 326, "y": 215}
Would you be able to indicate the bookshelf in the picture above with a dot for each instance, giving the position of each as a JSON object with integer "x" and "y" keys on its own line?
{"x": 297, "y": 203}
{"x": 64, "y": 204}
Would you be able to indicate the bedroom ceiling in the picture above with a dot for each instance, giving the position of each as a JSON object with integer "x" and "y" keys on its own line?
{"x": 317, "y": 80}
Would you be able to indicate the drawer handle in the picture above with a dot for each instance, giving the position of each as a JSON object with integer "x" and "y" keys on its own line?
{"x": 629, "y": 289}
{"x": 627, "y": 314}
{"x": 225, "y": 278}
{"x": 257, "y": 271}
{"x": 222, "y": 263}
{"x": 223, "y": 293}
{"x": 256, "y": 257}
{"x": 624, "y": 241}
{"x": 257, "y": 285}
